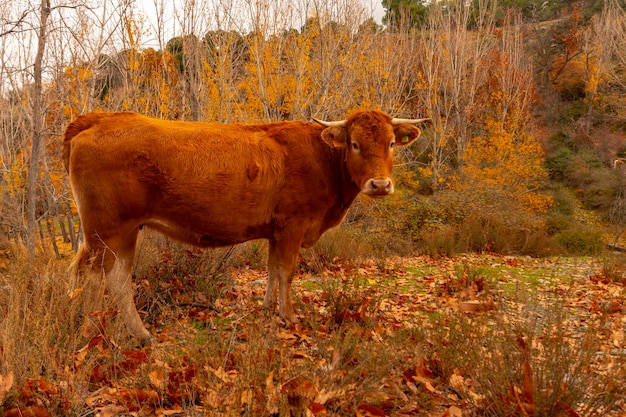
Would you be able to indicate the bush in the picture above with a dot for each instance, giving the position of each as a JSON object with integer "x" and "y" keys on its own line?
{"x": 613, "y": 270}
{"x": 461, "y": 221}
{"x": 558, "y": 163}
{"x": 560, "y": 217}
{"x": 563, "y": 138}
{"x": 557, "y": 223}
{"x": 344, "y": 242}
{"x": 442, "y": 241}
{"x": 39, "y": 329}
{"x": 602, "y": 189}
{"x": 424, "y": 214}
{"x": 536, "y": 364}
{"x": 564, "y": 201}
{"x": 167, "y": 270}
{"x": 581, "y": 240}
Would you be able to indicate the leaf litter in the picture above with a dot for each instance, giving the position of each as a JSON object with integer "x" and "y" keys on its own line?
{"x": 373, "y": 340}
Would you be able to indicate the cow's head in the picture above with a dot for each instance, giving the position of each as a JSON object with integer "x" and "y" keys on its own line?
{"x": 369, "y": 139}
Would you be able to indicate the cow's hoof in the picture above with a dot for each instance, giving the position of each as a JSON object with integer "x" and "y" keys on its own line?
{"x": 145, "y": 341}
{"x": 290, "y": 320}
{"x": 143, "y": 338}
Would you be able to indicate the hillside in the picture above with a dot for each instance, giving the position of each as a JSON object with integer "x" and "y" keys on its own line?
{"x": 491, "y": 283}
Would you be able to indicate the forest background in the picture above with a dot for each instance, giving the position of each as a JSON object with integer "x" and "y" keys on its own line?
{"x": 491, "y": 283}
{"x": 526, "y": 99}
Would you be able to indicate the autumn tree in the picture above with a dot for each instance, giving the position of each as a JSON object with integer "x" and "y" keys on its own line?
{"x": 37, "y": 128}
{"x": 400, "y": 12}
{"x": 603, "y": 59}
{"x": 504, "y": 155}
{"x": 463, "y": 64}
{"x": 450, "y": 73}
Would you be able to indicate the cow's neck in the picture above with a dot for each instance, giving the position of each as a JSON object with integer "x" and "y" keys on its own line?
{"x": 348, "y": 189}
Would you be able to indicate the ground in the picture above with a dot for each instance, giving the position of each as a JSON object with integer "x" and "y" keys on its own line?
{"x": 463, "y": 336}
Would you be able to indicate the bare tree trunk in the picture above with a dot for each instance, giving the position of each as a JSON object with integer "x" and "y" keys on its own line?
{"x": 37, "y": 129}
{"x": 63, "y": 229}
{"x": 70, "y": 228}
{"x": 53, "y": 236}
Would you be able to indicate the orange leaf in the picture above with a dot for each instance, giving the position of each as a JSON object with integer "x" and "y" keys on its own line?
{"x": 39, "y": 385}
{"x": 453, "y": 411}
{"x": 527, "y": 372}
{"x": 139, "y": 396}
{"x": 27, "y": 412}
{"x": 317, "y": 409}
{"x": 370, "y": 410}
{"x": 6, "y": 382}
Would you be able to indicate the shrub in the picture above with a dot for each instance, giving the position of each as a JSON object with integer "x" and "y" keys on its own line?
{"x": 424, "y": 214}
{"x": 344, "y": 242}
{"x": 564, "y": 201}
{"x": 563, "y": 138}
{"x": 581, "y": 240}
{"x": 167, "y": 269}
{"x": 557, "y": 223}
{"x": 602, "y": 189}
{"x": 442, "y": 241}
{"x": 478, "y": 220}
{"x": 558, "y": 163}
{"x": 352, "y": 300}
{"x": 39, "y": 329}
{"x": 613, "y": 270}
{"x": 538, "y": 366}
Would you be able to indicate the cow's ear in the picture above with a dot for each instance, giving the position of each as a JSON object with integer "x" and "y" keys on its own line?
{"x": 406, "y": 134}
{"x": 336, "y": 137}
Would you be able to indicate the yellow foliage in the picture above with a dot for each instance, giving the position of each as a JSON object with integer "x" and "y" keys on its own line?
{"x": 510, "y": 160}
{"x": 78, "y": 85}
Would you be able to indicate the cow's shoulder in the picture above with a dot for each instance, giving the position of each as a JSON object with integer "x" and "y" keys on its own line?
{"x": 288, "y": 133}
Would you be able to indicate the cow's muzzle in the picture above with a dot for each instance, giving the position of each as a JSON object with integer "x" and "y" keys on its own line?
{"x": 378, "y": 187}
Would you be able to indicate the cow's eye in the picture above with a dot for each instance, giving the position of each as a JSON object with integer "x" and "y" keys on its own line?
{"x": 355, "y": 146}
{"x": 391, "y": 145}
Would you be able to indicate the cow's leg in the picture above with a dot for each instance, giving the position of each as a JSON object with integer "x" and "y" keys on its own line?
{"x": 119, "y": 282}
{"x": 282, "y": 259}
{"x": 86, "y": 272}
{"x": 87, "y": 267}
{"x": 272, "y": 277}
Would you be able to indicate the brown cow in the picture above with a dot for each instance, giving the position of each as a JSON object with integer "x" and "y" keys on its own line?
{"x": 213, "y": 185}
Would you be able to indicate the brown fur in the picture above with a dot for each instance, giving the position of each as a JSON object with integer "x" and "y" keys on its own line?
{"x": 212, "y": 185}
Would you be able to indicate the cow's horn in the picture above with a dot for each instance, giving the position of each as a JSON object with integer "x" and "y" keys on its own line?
{"x": 395, "y": 121}
{"x": 340, "y": 123}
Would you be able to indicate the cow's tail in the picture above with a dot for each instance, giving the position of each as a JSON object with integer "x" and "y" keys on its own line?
{"x": 81, "y": 123}
{"x": 78, "y": 262}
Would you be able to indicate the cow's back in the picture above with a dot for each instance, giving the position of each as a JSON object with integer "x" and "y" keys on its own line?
{"x": 209, "y": 184}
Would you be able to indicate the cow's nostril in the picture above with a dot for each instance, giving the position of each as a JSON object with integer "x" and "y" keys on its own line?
{"x": 378, "y": 187}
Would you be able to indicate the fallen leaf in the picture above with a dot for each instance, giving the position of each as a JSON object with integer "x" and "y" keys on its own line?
{"x": 299, "y": 388}
{"x": 527, "y": 373}
{"x": 6, "y": 382}
{"x": 317, "y": 409}
{"x": 139, "y": 396}
{"x": 272, "y": 394}
{"x": 370, "y": 410}
{"x": 426, "y": 383}
{"x": 112, "y": 410}
{"x": 27, "y": 412}
{"x": 457, "y": 381}
{"x": 299, "y": 354}
{"x": 157, "y": 378}
{"x": 323, "y": 396}
{"x": 75, "y": 293}
{"x": 453, "y": 411}
{"x": 176, "y": 410}
{"x": 474, "y": 306}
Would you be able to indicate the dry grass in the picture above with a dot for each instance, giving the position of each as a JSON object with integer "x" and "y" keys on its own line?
{"x": 373, "y": 340}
